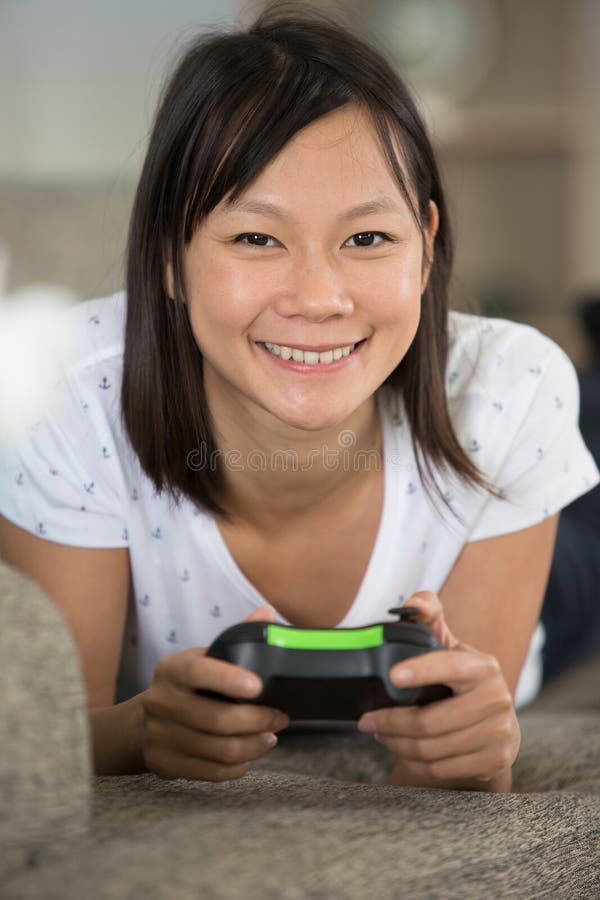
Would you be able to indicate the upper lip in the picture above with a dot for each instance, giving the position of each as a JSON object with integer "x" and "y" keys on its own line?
{"x": 322, "y": 348}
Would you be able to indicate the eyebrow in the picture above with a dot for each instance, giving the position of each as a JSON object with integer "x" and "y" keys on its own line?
{"x": 263, "y": 207}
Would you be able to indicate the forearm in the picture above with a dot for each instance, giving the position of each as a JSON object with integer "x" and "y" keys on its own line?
{"x": 116, "y": 735}
{"x": 501, "y": 783}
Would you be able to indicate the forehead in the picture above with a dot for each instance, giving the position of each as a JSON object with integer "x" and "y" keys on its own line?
{"x": 335, "y": 161}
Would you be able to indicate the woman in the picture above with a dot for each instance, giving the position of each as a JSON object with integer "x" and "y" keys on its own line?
{"x": 280, "y": 420}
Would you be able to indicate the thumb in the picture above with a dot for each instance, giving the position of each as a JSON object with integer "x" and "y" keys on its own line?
{"x": 264, "y": 613}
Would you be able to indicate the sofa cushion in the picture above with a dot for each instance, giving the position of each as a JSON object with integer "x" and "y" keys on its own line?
{"x": 281, "y": 836}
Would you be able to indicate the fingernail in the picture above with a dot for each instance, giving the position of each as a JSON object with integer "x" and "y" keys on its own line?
{"x": 249, "y": 685}
{"x": 366, "y": 725}
{"x": 402, "y": 676}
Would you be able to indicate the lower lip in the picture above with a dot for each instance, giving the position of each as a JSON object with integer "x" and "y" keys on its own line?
{"x": 318, "y": 368}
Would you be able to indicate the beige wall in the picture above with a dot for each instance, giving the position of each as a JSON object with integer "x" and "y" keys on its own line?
{"x": 522, "y": 169}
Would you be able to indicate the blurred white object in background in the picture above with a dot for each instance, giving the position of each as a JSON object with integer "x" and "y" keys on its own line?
{"x": 33, "y": 338}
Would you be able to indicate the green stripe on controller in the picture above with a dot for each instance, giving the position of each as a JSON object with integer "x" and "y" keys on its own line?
{"x": 324, "y": 639}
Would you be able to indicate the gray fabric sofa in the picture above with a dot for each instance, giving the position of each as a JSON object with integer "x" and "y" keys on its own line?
{"x": 312, "y": 819}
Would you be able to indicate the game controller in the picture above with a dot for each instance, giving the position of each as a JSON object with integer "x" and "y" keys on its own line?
{"x": 328, "y": 674}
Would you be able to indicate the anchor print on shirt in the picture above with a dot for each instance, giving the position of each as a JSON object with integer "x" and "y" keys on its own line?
{"x": 171, "y": 638}
{"x": 40, "y": 528}
{"x": 125, "y": 535}
{"x": 474, "y": 446}
{"x": 185, "y": 576}
{"x": 89, "y": 488}
{"x": 19, "y": 479}
{"x": 134, "y": 494}
{"x": 157, "y": 534}
{"x": 215, "y": 612}
{"x": 94, "y": 320}
{"x": 105, "y": 453}
{"x": 145, "y": 601}
{"x": 104, "y": 384}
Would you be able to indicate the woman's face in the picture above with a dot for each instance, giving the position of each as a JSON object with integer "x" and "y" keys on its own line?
{"x": 293, "y": 264}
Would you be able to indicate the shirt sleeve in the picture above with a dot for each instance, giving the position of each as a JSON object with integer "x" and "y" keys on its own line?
{"x": 546, "y": 464}
{"x": 55, "y": 481}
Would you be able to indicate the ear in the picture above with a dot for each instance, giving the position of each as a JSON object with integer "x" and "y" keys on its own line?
{"x": 434, "y": 221}
{"x": 169, "y": 283}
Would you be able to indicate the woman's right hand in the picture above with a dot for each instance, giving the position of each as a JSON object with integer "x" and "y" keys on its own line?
{"x": 185, "y": 735}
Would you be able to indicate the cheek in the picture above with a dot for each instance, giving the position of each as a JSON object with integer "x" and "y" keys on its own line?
{"x": 395, "y": 291}
{"x": 221, "y": 296}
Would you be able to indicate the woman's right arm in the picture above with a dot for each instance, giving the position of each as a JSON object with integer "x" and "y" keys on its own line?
{"x": 167, "y": 729}
{"x": 90, "y": 587}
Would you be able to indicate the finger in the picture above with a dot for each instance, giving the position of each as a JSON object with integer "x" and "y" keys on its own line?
{"x": 192, "y": 669}
{"x": 482, "y": 764}
{"x": 211, "y": 715}
{"x": 234, "y": 750}
{"x": 442, "y": 717}
{"x": 171, "y": 766}
{"x": 264, "y": 613}
{"x": 461, "y": 669}
{"x": 431, "y": 613}
{"x": 495, "y": 731}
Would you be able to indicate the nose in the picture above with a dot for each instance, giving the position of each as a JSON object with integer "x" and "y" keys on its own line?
{"x": 315, "y": 290}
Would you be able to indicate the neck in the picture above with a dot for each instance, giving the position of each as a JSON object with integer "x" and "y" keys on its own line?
{"x": 291, "y": 474}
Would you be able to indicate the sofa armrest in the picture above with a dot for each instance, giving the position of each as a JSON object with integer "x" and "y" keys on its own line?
{"x": 45, "y": 762}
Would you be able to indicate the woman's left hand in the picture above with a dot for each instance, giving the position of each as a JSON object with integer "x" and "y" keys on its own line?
{"x": 468, "y": 741}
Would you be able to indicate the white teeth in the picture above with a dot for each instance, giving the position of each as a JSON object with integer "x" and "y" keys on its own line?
{"x": 309, "y": 357}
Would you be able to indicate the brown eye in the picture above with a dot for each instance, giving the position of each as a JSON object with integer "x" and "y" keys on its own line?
{"x": 365, "y": 238}
{"x": 256, "y": 239}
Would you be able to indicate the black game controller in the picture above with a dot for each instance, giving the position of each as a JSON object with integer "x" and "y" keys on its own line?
{"x": 316, "y": 675}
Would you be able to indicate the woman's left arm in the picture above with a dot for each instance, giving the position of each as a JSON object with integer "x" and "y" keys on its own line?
{"x": 490, "y": 605}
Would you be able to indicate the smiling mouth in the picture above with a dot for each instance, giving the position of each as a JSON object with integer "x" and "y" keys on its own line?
{"x": 310, "y": 356}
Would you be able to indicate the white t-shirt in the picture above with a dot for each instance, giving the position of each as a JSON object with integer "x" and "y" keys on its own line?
{"x": 74, "y": 479}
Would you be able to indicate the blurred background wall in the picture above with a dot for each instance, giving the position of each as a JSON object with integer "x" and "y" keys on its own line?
{"x": 510, "y": 89}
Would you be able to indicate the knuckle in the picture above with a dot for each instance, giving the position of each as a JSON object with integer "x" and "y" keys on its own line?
{"x": 424, "y": 749}
{"x": 503, "y": 731}
{"x": 504, "y": 706}
{"x": 233, "y": 750}
{"x": 152, "y": 705}
{"x": 435, "y": 768}
{"x": 505, "y": 756}
{"x": 162, "y": 667}
{"x": 158, "y": 765}
{"x": 220, "y": 721}
{"x": 492, "y": 665}
{"x": 426, "y": 724}
{"x": 228, "y": 773}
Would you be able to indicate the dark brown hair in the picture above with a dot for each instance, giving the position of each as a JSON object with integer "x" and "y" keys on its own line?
{"x": 232, "y": 102}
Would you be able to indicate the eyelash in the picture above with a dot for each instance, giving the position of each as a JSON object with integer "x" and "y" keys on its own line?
{"x": 240, "y": 238}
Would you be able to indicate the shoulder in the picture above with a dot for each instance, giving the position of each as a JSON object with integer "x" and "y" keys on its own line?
{"x": 493, "y": 357}
{"x": 96, "y": 333}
